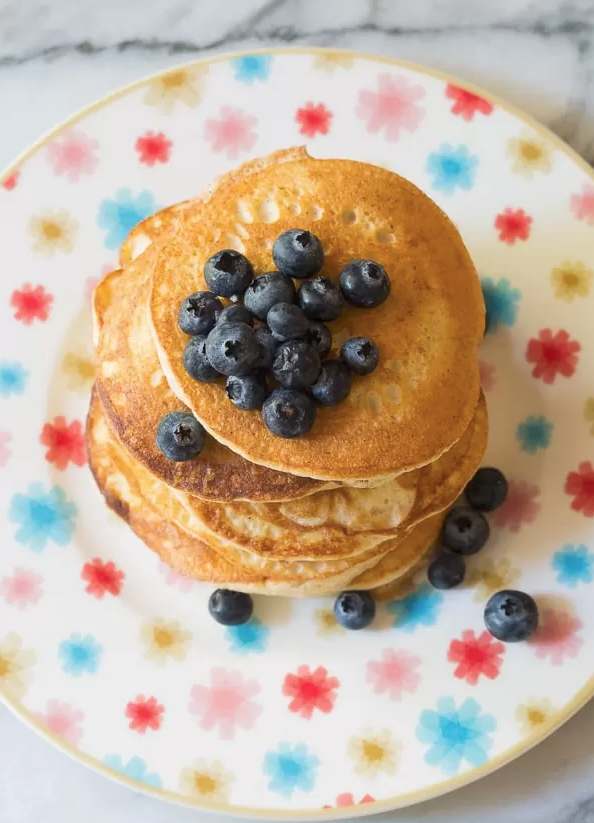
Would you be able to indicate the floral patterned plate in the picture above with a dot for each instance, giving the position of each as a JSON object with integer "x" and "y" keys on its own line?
{"x": 112, "y": 656}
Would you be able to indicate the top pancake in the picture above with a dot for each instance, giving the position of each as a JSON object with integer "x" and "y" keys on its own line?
{"x": 423, "y": 394}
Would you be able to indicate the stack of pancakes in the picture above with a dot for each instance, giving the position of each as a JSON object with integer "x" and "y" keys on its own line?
{"x": 359, "y": 501}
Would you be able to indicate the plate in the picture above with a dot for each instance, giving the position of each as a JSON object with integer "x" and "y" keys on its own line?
{"x": 112, "y": 656}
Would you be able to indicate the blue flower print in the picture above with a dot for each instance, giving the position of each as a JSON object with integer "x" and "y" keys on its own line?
{"x": 252, "y": 67}
{"x": 80, "y": 654}
{"x": 456, "y": 734}
{"x": 290, "y": 768}
{"x": 249, "y": 637}
{"x": 119, "y": 216}
{"x": 501, "y": 303}
{"x": 452, "y": 168}
{"x": 421, "y": 608}
{"x": 43, "y": 517}
{"x": 135, "y": 769}
{"x": 13, "y": 378}
{"x": 534, "y": 433}
{"x": 573, "y": 565}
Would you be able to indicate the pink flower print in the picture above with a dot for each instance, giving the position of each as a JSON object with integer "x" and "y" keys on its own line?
{"x": 487, "y": 375}
{"x": 518, "y": 507}
{"x": 227, "y": 703}
{"x": 392, "y": 108}
{"x": 395, "y": 674}
{"x": 347, "y": 799}
{"x": 62, "y": 719}
{"x": 173, "y": 578}
{"x": 22, "y": 589}
{"x": 73, "y": 154}
{"x": 5, "y": 452}
{"x": 232, "y": 133}
{"x": 556, "y": 637}
{"x": 582, "y": 205}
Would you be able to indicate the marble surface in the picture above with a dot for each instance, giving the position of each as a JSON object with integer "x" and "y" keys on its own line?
{"x": 58, "y": 56}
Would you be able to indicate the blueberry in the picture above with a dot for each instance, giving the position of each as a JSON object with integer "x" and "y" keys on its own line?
{"x": 230, "y": 608}
{"x": 235, "y": 314}
{"x": 364, "y": 283}
{"x": 268, "y": 347}
{"x": 465, "y": 531}
{"x": 333, "y": 384}
{"x": 286, "y": 321}
{"x": 298, "y": 253}
{"x": 487, "y": 490}
{"x": 288, "y": 413}
{"x": 233, "y": 348}
{"x": 246, "y": 391}
{"x": 318, "y": 336}
{"x": 354, "y": 610}
{"x": 266, "y": 291}
{"x": 199, "y": 312}
{"x": 511, "y": 616}
{"x": 320, "y": 299}
{"x": 180, "y": 436}
{"x": 196, "y": 362}
{"x": 360, "y": 355}
{"x": 228, "y": 272}
{"x": 296, "y": 364}
{"x": 446, "y": 571}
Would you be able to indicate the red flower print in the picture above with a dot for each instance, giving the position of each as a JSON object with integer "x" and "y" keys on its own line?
{"x": 102, "y": 577}
{"x": 9, "y": 183}
{"x": 556, "y": 636}
{"x": 487, "y": 375}
{"x": 582, "y": 205}
{"x": 476, "y": 656}
{"x": 62, "y": 719}
{"x": 467, "y": 104}
{"x": 227, "y": 703}
{"x": 31, "y": 304}
{"x": 232, "y": 133}
{"x": 22, "y": 589}
{"x": 552, "y": 355}
{"x": 392, "y": 108}
{"x": 310, "y": 690}
{"x": 314, "y": 119}
{"x": 580, "y": 485}
{"x": 153, "y": 148}
{"x": 395, "y": 673}
{"x": 347, "y": 799}
{"x": 513, "y": 225}
{"x": 5, "y": 453}
{"x": 144, "y": 713}
{"x": 518, "y": 507}
{"x": 73, "y": 154}
{"x": 65, "y": 443}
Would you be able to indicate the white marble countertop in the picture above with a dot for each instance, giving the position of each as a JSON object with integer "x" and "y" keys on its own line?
{"x": 56, "y": 57}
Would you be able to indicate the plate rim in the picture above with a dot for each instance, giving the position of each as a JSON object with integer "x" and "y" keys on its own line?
{"x": 402, "y": 800}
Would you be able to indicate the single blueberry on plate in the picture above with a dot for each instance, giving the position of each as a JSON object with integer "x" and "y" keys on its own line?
{"x": 364, "y": 283}
{"x": 320, "y": 299}
{"x": 288, "y": 413}
{"x": 296, "y": 365}
{"x": 246, "y": 391}
{"x": 511, "y": 616}
{"x": 235, "y": 314}
{"x": 465, "y": 531}
{"x": 266, "y": 291}
{"x": 333, "y": 384}
{"x": 354, "y": 610}
{"x": 196, "y": 362}
{"x": 487, "y": 490}
{"x": 233, "y": 348}
{"x": 447, "y": 570}
{"x": 199, "y": 312}
{"x": 286, "y": 321}
{"x": 230, "y": 608}
{"x": 180, "y": 436}
{"x": 268, "y": 347}
{"x": 228, "y": 272}
{"x": 318, "y": 336}
{"x": 360, "y": 355}
{"x": 298, "y": 253}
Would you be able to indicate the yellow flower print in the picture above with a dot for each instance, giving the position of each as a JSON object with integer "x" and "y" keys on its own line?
{"x": 571, "y": 280}
{"x": 374, "y": 752}
{"x": 164, "y": 641}
{"x": 15, "y": 663}
{"x": 589, "y": 412}
{"x": 79, "y": 371}
{"x": 529, "y": 154}
{"x": 331, "y": 61}
{"x": 534, "y": 714}
{"x": 326, "y": 622}
{"x": 179, "y": 86}
{"x": 492, "y": 576}
{"x": 208, "y": 781}
{"x": 53, "y": 231}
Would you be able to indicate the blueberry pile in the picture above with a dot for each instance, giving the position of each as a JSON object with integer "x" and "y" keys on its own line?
{"x": 272, "y": 342}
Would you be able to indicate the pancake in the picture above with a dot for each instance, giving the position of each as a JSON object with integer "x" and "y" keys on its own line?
{"x": 151, "y": 229}
{"x": 422, "y": 397}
